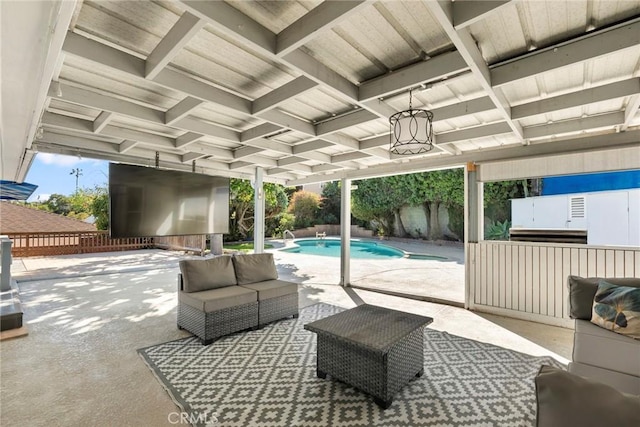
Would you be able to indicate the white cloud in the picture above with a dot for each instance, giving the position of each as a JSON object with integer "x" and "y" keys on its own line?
{"x": 39, "y": 197}
{"x": 60, "y": 160}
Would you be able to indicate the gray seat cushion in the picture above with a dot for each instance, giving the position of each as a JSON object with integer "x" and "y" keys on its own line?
{"x": 622, "y": 382}
{"x": 254, "y": 268}
{"x": 218, "y": 299}
{"x": 201, "y": 275}
{"x": 582, "y": 290}
{"x": 593, "y": 345}
{"x": 564, "y": 399}
{"x": 273, "y": 288}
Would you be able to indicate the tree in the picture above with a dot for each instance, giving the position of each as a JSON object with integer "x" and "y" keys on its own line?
{"x": 80, "y": 202}
{"x": 58, "y": 204}
{"x": 100, "y": 208}
{"x": 434, "y": 189}
{"x": 304, "y": 205}
{"x": 378, "y": 200}
{"x": 497, "y": 196}
{"x": 399, "y": 182}
{"x": 80, "y": 205}
{"x": 330, "y": 203}
{"x": 41, "y": 206}
{"x": 242, "y": 206}
{"x": 276, "y": 204}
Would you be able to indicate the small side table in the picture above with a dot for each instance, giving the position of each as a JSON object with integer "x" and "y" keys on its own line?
{"x": 374, "y": 349}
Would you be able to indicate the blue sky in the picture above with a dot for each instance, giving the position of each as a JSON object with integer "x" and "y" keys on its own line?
{"x": 52, "y": 174}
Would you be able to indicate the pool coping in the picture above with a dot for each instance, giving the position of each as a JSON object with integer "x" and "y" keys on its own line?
{"x": 289, "y": 244}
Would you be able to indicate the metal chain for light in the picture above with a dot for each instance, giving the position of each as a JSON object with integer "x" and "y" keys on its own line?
{"x": 411, "y": 131}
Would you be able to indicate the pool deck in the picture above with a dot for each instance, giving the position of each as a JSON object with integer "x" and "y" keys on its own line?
{"x": 431, "y": 280}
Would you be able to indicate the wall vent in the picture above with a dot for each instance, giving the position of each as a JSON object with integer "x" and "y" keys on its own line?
{"x": 577, "y": 207}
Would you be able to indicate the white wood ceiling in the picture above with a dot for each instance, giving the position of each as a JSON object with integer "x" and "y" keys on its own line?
{"x": 304, "y": 89}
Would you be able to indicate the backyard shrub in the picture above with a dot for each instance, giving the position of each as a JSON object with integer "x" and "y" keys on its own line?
{"x": 100, "y": 211}
{"x": 286, "y": 221}
{"x": 304, "y": 205}
{"x": 497, "y": 230}
{"x": 330, "y": 203}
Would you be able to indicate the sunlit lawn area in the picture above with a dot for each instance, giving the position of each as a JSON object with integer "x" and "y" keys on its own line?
{"x": 244, "y": 247}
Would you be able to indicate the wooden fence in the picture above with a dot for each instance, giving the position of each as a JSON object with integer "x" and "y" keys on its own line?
{"x": 81, "y": 242}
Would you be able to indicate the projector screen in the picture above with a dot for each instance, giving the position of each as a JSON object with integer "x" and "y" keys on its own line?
{"x": 148, "y": 202}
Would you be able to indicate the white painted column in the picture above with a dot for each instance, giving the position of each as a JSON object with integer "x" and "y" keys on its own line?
{"x": 5, "y": 252}
{"x": 479, "y": 209}
{"x": 473, "y": 224}
{"x": 474, "y": 205}
{"x": 258, "y": 217}
{"x": 345, "y": 232}
{"x": 216, "y": 244}
{"x": 468, "y": 289}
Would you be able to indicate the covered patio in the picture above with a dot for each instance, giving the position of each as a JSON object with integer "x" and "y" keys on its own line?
{"x": 300, "y": 92}
{"x": 87, "y": 317}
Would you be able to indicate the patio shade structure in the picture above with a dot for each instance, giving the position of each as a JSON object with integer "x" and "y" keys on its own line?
{"x": 11, "y": 190}
{"x": 301, "y": 92}
{"x": 304, "y": 90}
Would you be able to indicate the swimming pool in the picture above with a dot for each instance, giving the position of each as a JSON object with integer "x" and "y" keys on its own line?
{"x": 331, "y": 248}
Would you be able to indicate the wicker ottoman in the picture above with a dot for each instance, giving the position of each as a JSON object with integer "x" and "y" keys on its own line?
{"x": 372, "y": 348}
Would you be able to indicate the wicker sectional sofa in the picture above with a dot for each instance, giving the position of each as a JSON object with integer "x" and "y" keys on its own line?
{"x": 227, "y": 294}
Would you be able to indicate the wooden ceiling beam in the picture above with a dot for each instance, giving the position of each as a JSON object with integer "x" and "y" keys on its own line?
{"x": 320, "y": 18}
{"x": 466, "y": 13}
{"x": 284, "y": 93}
{"x": 467, "y": 47}
{"x": 180, "y": 34}
{"x": 581, "y": 49}
{"x": 181, "y": 110}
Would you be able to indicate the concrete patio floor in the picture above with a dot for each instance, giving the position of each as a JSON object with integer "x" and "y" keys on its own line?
{"x": 426, "y": 279}
{"x": 88, "y": 314}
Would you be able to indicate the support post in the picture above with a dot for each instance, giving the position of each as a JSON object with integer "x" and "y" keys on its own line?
{"x": 5, "y": 252}
{"x": 345, "y": 232}
{"x": 473, "y": 224}
{"x": 474, "y": 205}
{"x": 258, "y": 208}
{"x": 216, "y": 243}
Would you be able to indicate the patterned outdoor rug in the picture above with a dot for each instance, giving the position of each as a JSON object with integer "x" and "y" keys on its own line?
{"x": 268, "y": 378}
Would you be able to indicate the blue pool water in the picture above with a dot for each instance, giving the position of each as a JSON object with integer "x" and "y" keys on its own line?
{"x": 331, "y": 247}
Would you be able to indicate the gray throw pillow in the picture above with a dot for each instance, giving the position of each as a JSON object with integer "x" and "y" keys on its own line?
{"x": 565, "y": 399}
{"x": 583, "y": 289}
{"x": 202, "y": 275}
{"x": 617, "y": 308}
{"x": 254, "y": 268}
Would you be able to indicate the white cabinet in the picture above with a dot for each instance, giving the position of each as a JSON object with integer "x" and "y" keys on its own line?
{"x": 610, "y": 217}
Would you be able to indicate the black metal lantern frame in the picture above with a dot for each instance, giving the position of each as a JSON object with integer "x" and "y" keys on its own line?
{"x": 411, "y": 131}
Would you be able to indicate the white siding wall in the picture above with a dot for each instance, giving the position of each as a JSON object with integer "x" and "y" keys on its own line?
{"x": 528, "y": 280}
